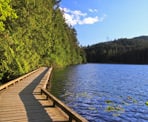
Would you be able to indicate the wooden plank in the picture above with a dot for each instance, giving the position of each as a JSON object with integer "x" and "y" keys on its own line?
{"x": 12, "y": 106}
{"x": 10, "y": 83}
{"x": 23, "y": 102}
{"x": 60, "y": 106}
{"x": 55, "y": 114}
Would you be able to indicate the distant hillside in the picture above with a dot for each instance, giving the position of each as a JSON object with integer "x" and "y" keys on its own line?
{"x": 131, "y": 51}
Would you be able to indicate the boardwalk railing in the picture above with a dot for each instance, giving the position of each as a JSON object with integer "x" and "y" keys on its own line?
{"x": 10, "y": 83}
{"x": 56, "y": 102}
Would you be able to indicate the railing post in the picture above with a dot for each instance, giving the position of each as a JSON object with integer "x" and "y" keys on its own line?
{"x": 41, "y": 92}
{"x": 72, "y": 116}
{"x": 70, "y": 119}
{"x": 54, "y": 103}
{"x": 47, "y": 86}
{"x": 47, "y": 97}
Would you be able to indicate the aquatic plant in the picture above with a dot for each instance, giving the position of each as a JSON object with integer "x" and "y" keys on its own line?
{"x": 146, "y": 103}
{"x": 109, "y": 101}
{"x": 114, "y": 108}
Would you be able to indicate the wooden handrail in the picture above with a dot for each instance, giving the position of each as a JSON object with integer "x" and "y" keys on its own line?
{"x": 47, "y": 77}
{"x": 12, "y": 82}
{"x": 56, "y": 102}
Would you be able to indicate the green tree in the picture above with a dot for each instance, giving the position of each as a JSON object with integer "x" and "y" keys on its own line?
{"x": 38, "y": 37}
{"x": 5, "y": 12}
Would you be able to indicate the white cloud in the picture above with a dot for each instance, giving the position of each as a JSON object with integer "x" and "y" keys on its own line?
{"x": 78, "y": 13}
{"x": 78, "y": 17}
{"x": 89, "y": 20}
{"x": 92, "y": 10}
{"x": 65, "y": 10}
{"x": 70, "y": 19}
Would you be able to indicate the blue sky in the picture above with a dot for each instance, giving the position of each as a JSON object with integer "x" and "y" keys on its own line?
{"x": 104, "y": 20}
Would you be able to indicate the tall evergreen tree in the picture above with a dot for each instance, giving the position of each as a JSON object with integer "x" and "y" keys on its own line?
{"x": 38, "y": 37}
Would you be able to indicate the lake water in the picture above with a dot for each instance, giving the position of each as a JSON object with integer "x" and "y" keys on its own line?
{"x": 104, "y": 92}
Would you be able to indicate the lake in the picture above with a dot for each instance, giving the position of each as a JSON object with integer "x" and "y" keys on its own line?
{"x": 104, "y": 92}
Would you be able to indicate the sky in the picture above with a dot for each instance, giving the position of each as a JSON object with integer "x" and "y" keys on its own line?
{"x": 104, "y": 20}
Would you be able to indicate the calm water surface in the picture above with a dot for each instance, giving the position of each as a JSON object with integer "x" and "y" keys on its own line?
{"x": 104, "y": 92}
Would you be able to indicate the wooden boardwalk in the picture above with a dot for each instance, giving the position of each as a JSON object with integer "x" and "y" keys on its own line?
{"x": 23, "y": 102}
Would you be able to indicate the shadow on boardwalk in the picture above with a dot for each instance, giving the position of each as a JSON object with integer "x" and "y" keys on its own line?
{"x": 35, "y": 111}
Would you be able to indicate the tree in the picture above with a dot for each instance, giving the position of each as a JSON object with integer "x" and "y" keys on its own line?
{"x": 5, "y": 12}
{"x": 131, "y": 51}
{"x": 38, "y": 37}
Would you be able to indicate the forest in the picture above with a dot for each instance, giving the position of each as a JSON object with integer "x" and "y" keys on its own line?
{"x": 125, "y": 51}
{"x": 34, "y": 33}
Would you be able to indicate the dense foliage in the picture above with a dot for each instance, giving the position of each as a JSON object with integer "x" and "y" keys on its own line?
{"x": 34, "y": 33}
{"x": 130, "y": 51}
{"x": 5, "y": 11}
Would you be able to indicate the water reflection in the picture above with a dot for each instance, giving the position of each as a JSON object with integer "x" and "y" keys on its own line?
{"x": 104, "y": 92}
